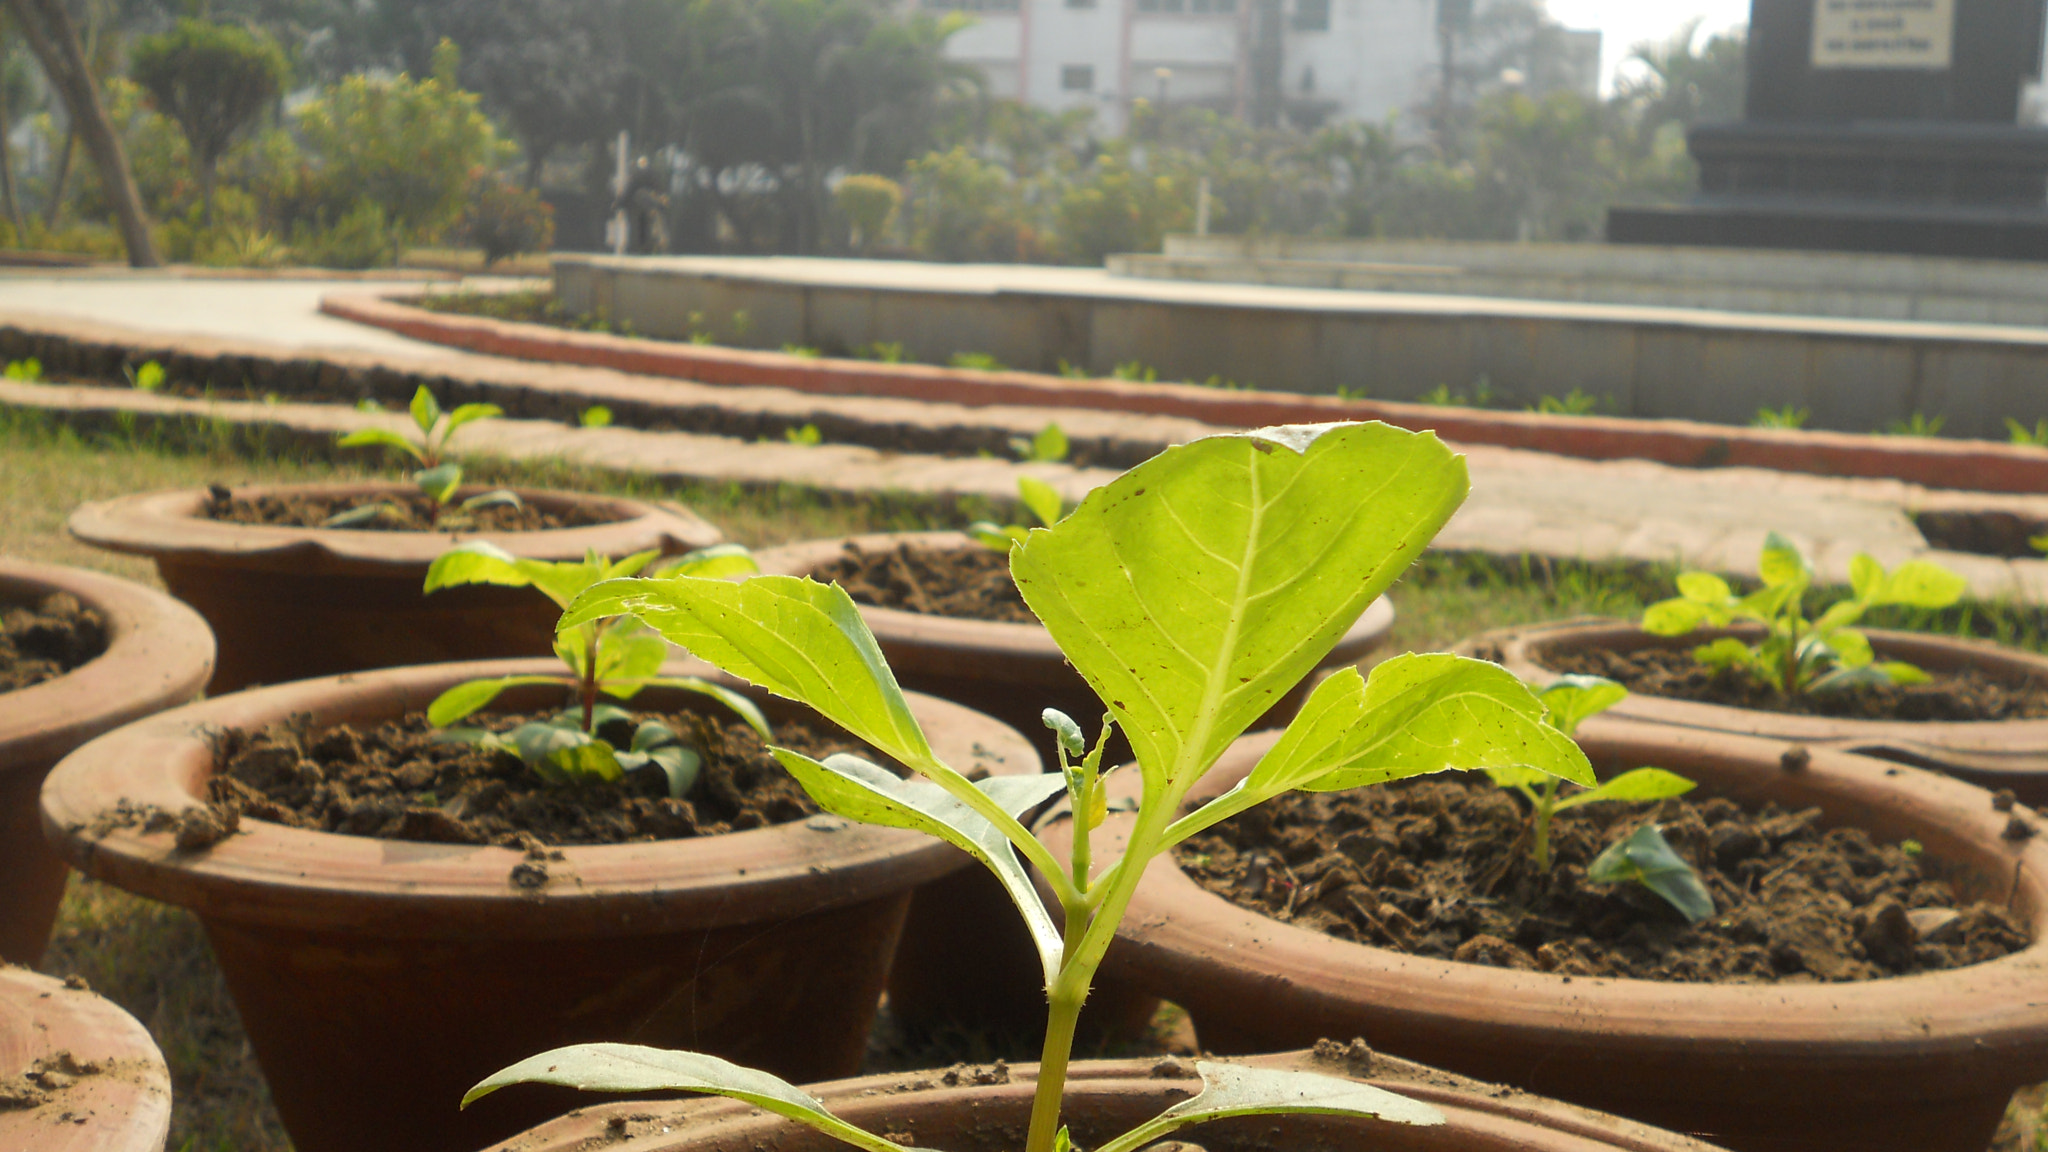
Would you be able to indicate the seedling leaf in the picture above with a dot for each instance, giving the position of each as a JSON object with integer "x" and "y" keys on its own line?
{"x": 1041, "y": 498}
{"x": 439, "y": 482}
{"x": 1648, "y": 859}
{"x": 382, "y": 437}
{"x": 469, "y": 414}
{"x": 1573, "y": 698}
{"x": 718, "y": 561}
{"x": 634, "y": 1068}
{"x": 425, "y": 409}
{"x": 858, "y": 790}
{"x": 1922, "y": 584}
{"x": 1237, "y": 1090}
{"x": 1781, "y": 562}
{"x": 1640, "y": 786}
{"x": 464, "y": 699}
{"x": 1187, "y": 613}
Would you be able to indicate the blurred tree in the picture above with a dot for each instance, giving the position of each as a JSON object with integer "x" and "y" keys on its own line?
{"x": 213, "y": 80}
{"x": 1683, "y": 84}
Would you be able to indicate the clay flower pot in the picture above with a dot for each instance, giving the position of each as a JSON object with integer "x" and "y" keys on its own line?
{"x": 378, "y": 979}
{"x": 291, "y": 603}
{"x": 1921, "y": 1063}
{"x": 96, "y": 1081}
{"x": 948, "y": 969}
{"x": 158, "y": 655}
{"x": 1994, "y": 753}
{"x": 1104, "y": 1098}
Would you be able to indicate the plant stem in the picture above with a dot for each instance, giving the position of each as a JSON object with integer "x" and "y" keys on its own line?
{"x": 1544, "y": 807}
{"x": 1068, "y": 992}
{"x": 590, "y": 676}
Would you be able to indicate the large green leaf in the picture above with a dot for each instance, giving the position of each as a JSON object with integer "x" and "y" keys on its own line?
{"x": 633, "y": 1068}
{"x": 852, "y": 787}
{"x": 797, "y": 638}
{"x": 1416, "y": 715}
{"x": 1194, "y": 590}
{"x": 1238, "y": 1090}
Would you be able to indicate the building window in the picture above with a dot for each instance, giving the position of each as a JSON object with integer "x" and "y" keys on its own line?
{"x": 970, "y": 5}
{"x": 1077, "y": 78}
{"x": 1311, "y": 15}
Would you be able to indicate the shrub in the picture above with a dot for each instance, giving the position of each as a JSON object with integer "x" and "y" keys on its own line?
{"x": 213, "y": 80}
{"x": 869, "y": 203}
{"x": 506, "y": 220}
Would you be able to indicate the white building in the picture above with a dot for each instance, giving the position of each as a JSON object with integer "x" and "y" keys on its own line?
{"x": 1336, "y": 59}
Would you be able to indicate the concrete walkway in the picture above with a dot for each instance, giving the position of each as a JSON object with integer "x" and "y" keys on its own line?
{"x": 1521, "y": 501}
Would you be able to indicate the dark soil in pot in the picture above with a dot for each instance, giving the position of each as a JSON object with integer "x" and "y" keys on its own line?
{"x": 43, "y": 641}
{"x": 1962, "y": 694}
{"x": 412, "y": 512}
{"x": 1441, "y": 868}
{"x": 972, "y": 583}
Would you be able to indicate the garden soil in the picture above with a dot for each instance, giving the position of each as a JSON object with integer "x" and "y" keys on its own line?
{"x": 1947, "y": 696}
{"x": 973, "y": 583}
{"x": 397, "y": 782}
{"x": 1440, "y": 867}
{"x": 407, "y": 512}
{"x": 44, "y": 641}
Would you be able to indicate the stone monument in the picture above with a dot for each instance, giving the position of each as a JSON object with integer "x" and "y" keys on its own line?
{"x": 1873, "y": 126}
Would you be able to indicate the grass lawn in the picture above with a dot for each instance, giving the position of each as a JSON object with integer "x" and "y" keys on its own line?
{"x": 153, "y": 960}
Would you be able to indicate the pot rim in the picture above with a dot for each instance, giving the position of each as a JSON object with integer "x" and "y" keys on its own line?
{"x": 159, "y": 653}
{"x": 1994, "y": 1013}
{"x": 1519, "y": 648}
{"x": 127, "y": 1109}
{"x": 1005, "y": 639}
{"x": 291, "y": 877}
{"x": 166, "y": 525}
{"x": 1495, "y": 1110}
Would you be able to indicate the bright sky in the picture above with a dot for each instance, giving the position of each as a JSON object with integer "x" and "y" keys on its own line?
{"x": 1626, "y": 23}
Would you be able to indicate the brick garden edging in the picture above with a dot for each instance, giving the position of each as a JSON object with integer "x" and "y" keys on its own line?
{"x": 1977, "y": 465}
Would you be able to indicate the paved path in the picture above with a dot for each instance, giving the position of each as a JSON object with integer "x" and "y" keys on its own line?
{"x": 1521, "y": 501}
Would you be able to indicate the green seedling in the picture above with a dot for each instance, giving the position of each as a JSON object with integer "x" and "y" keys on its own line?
{"x": 1568, "y": 702}
{"x": 2035, "y": 437}
{"x": 1191, "y": 593}
{"x": 1442, "y": 396}
{"x": 1038, "y": 498}
{"x": 595, "y": 416}
{"x": 808, "y": 436}
{"x": 612, "y": 657}
{"x": 437, "y": 476}
{"x": 888, "y": 352}
{"x": 147, "y": 378}
{"x": 1136, "y": 371}
{"x": 1798, "y": 656}
{"x": 27, "y": 371}
{"x": 976, "y": 361}
{"x": 1917, "y": 424}
{"x": 1648, "y": 859}
{"x": 1074, "y": 371}
{"x": 1048, "y": 447}
{"x": 1347, "y": 393}
{"x": 742, "y": 323}
{"x": 1786, "y": 417}
{"x": 1574, "y": 403}
{"x": 702, "y": 338}
{"x": 803, "y": 350}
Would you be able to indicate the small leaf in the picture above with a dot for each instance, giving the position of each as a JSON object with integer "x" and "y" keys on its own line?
{"x": 425, "y": 409}
{"x": 595, "y": 416}
{"x": 495, "y": 498}
{"x": 1866, "y": 576}
{"x": 382, "y": 437}
{"x": 1703, "y": 588}
{"x": 362, "y": 514}
{"x": 464, "y": 699}
{"x": 1781, "y": 563}
{"x": 1068, "y": 732}
{"x": 1675, "y": 617}
{"x": 150, "y": 376}
{"x": 720, "y": 561}
{"x": 587, "y": 760}
{"x": 633, "y": 1068}
{"x": 849, "y": 786}
{"x": 1648, "y": 859}
{"x": 1573, "y": 698}
{"x": 439, "y": 482}
{"x": 1922, "y": 584}
{"x": 1727, "y": 652}
{"x": 999, "y": 537}
{"x": 475, "y": 562}
{"x": 741, "y": 706}
{"x": 1040, "y": 497}
{"x": 1900, "y": 672}
{"x": 1851, "y": 648}
{"x": 1240, "y": 1090}
{"x": 1640, "y": 786}
{"x": 627, "y": 652}
{"x": 681, "y": 766}
{"x": 469, "y": 414}
{"x": 1050, "y": 444}
{"x": 652, "y": 734}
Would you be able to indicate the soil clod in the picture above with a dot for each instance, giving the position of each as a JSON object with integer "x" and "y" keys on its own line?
{"x": 43, "y": 641}
{"x": 401, "y": 512}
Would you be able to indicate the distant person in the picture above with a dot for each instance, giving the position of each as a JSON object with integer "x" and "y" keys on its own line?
{"x": 645, "y": 204}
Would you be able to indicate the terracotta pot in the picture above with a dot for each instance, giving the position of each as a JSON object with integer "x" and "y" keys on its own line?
{"x": 117, "y": 1095}
{"x": 158, "y": 655}
{"x": 967, "y": 959}
{"x": 291, "y": 603}
{"x": 1104, "y": 1098}
{"x": 1920, "y": 1063}
{"x": 379, "y": 979}
{"x": 1994, "y": 753}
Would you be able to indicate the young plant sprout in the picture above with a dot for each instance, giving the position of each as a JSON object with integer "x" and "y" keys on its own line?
{"x": 1796, "y": 655}
{"x": 606, "y": 656}
{"x": 1049, "y": 446}
{"x": 1648, "y": 859}
{"x": 1570, "y": 701}
{"x": 437, "y": 476}
{"x": 1191, "y": 592}
{"x": 1038, "y": 498}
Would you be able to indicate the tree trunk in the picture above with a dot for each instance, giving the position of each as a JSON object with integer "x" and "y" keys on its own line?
{"x": 208, "y": 166}
{"x": 54, "y": 40}
{"x": 14, "y": 215}
{"x": 62, "y": 178}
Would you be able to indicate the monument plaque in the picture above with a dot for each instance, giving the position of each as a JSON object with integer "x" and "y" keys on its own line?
{"x": 1873, "y": 126}
{"x": 1883, "y": 33}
